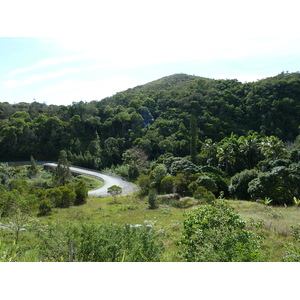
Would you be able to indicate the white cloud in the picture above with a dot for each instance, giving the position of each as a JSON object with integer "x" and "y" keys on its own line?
{"x": 45, "y": 63}
{"x": 70, "y": 91}
{"x": 10, "y": 84}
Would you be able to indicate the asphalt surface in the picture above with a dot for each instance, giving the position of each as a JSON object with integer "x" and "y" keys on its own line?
{"x": 109, "y": 180}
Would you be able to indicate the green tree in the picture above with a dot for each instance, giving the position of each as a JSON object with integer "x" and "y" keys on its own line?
{"x": 240, "y": 183}
{"x": 114, "y": 191}
{"x": 272, "y": 147}
{"x": 62, "y": 171}
{"x": 81, "y": 191}
{"x": 152, "y": 199}
{"x": 194, "y": 138}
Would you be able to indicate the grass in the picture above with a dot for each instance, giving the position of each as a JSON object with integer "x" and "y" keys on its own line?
{"x": 167, "y": 221}
{"x": 92, "y": 182}
{"x": 277, "y": 224}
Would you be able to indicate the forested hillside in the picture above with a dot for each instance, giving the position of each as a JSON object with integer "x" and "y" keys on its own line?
{"x": 154, "y": 117}
{"x": 180, "y": 123}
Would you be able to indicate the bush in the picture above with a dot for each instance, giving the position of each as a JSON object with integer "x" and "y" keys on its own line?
{"x": 185, "y": 202}
{"x": 81, "y": 192}
{"x": 62, "y": 197}
{"x": 167, "y": 185}
{"x": 216, "y": 233}
{"x": 204, "y": 195}
{"x": 239, "y": 184}
{"x": 152, "y": 199}
{"x": 281, "y": 185}
{"x": 68, "y": 197}
{"x": 168, "y": 198}
{"x": 144, "y": 182}
{"x": 207, "y": 182}
{"x": 180, "y": 164}
{"x": 45, "y": 208}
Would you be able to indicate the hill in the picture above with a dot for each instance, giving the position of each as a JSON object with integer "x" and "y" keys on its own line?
{"x": 154, "y": 117}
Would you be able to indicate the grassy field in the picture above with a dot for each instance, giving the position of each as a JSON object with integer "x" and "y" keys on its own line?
{"x": 167, "y": 220}
{"x": 92, "y": 182}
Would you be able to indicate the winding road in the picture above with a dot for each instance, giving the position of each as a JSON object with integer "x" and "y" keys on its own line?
{"x": 109, "y": 180}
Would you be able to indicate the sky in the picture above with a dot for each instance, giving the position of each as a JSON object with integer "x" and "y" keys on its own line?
{"x": 61, "y": 52}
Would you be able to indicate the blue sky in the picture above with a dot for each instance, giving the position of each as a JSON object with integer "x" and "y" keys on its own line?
{"x": 70, "y": 51}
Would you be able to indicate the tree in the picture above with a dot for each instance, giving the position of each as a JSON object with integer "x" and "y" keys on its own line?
{"x": 272, "y": 147}
{"x": 114, "y": 191}
{"x": 249, "y": 146}
{"x": 62, "y": 171}
{"x": 193, "y": 140}
{"x": 152, "y": 199}
{"x": 215, "y": 232}
{"x": 17, "y": 207}
{"x": 33, "y": 169}
{"x": 281, "y": 185}
{"x": 81, "y": 192}
{"x": 239, "y": 184}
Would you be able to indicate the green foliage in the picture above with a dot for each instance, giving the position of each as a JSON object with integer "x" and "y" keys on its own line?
{"x": 216, "y": 233}
{"x": 62, "y": 197}
{"x": 281, "y": 185}
{"x": 296, "y": 201}
{"x": 167, "y": 185}
{"x": 203, "y": 195}
{"x": 113, "y": 243}
{"x": 114, "y": 190}
{"x": 144, "y": 182}
{"x": 81, "y": 192}
{"x": 207, "y": 182}
{"x": 152, "y": 199}
{"x": 293, "y": 249}
{"x": 179, "y": 164}
{"x": 45, "y": 207}
{"x": 239, "y": 184}
{"x": 62, "y": 171}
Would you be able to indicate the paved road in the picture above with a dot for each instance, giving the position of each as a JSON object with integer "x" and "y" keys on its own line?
{"x": 126, "y": 186}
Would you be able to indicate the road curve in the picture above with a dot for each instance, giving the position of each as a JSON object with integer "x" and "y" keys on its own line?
{"x": 109, "y": 180}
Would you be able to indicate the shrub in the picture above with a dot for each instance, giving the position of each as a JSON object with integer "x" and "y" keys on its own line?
{"x": 181, "y": 164}
{"x": 144, "y": 182}
{"x": 68, "y": 197}
{"x": 81, "y": 192}
{"x": 114, "y": 190}
{"x": 207, "y": 182}
{"x": 152, "y": 199}
{"x": 204, "y": 195}
{"x": 168, "y": 198}
{"x": 216, "y": 233}
{"x": 54, "y": 195}
{"x": 239, "y": 184}
{"x": 185, "y": 202}
{"x": 280, "y": 185}
{"x": 167, "y": 185}
{"x": 45, "y": 207}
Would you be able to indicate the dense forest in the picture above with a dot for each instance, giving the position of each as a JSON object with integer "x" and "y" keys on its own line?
{"x": 154, "y": 117}
{"x": 185, "y": 140}
{"x": 179, "y": 123}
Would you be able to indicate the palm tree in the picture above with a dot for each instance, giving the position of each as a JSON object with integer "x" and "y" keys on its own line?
{"x": 271, "y": 147}
{"x": 249, "y": 146}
